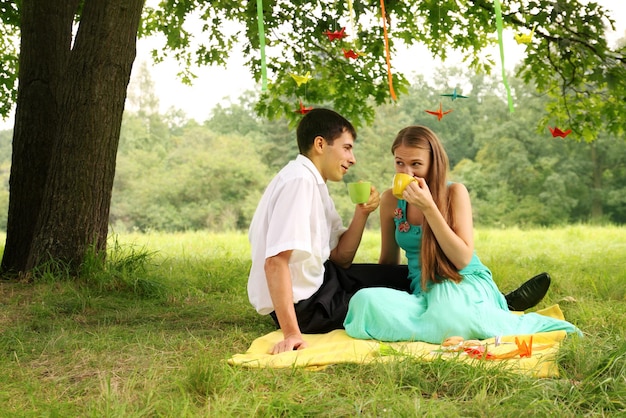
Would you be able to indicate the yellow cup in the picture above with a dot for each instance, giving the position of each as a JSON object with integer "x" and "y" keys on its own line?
{"x": 359, "y": 192}
{"x": 400, "y": 181}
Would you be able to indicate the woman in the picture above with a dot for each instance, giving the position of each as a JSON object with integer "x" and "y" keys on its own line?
{"x": 452, "y": 292}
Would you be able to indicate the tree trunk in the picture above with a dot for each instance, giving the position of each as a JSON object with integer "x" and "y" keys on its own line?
{"x": 67, "y": 124}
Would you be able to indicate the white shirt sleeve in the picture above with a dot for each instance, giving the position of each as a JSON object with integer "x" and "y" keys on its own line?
{"x": 289, "y": 223}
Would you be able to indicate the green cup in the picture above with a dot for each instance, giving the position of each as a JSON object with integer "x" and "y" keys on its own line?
{"x": 359, "y": 192}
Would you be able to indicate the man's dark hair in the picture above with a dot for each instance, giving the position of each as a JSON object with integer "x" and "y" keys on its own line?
{"x": 321, "y": 122}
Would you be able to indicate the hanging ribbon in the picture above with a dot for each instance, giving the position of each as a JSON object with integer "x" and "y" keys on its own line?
{"x": 498, "y": 8}
{"x": 259, "y": 9}
{"x": 389, "y": 77}
{"x": 352, "y": 28}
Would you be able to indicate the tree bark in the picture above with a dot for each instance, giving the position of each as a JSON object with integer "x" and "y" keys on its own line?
{"x": 67, "y": 124}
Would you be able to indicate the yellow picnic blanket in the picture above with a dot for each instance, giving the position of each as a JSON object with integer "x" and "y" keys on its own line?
{"x": 534, "y": 357}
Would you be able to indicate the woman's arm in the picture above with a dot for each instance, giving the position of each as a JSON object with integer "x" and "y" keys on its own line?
{"x": 458, "y": 243}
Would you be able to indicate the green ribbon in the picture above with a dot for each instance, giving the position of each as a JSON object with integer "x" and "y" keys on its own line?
{"x": 499, "y": 26}
{"x": 259, "y": 9}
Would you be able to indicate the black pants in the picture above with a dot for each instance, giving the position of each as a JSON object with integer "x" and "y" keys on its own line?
{"x": 327, "y": 308}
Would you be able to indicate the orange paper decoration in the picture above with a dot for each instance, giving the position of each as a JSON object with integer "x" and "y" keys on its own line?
{"x": 389, "y": 77}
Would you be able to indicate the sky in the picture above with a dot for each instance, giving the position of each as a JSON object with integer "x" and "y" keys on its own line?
{"x": 223, "y": 85}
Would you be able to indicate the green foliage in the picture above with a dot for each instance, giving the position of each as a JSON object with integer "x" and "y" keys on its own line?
{"x": 174, "y": 19}
{"x": 568, "y": 58}
{"x": 204, "y": 181}
{"x": 9, "y": 55}
{"x": 573, "y": 64}
{"x": 123, "y": 270}
{"x": 174, "y": 174}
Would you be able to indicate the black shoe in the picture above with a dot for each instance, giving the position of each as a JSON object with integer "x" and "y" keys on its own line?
{"x": 528, "y": 294}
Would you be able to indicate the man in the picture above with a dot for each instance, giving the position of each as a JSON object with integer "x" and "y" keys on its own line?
{"x": 302, "y": 273}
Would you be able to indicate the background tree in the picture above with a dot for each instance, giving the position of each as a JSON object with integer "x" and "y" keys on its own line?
{"x": 172, "y": 176}
{"x": 70, "y": 101}
{"x": 76, "y": 57}
{"x": 190, "y": 176}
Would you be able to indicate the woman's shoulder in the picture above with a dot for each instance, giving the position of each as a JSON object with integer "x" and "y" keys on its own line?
{"x": 458, "y": 193}
{"x": 455, "y": 187}
{"x": 387, "y": 195}
{"x": 388, "y": 200}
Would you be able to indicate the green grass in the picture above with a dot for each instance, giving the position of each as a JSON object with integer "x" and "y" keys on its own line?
{"x": 149, "y": 336}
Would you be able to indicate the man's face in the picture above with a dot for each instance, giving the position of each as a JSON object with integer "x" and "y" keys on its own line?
{"x": 338, "y": 157}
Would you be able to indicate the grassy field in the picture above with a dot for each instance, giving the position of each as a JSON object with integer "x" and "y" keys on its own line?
{"x": 149, "y": 335}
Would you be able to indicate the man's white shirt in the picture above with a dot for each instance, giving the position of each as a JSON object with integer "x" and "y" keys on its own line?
{"x": 295, "y": 213}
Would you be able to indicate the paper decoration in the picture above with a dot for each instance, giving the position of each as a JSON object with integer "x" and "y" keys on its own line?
{"x": 332, "y": 36}
{"x": 454, "y": 95}
{"x": 525, "y": 38}
{"x": 557, "y": 132}
{"x": 301, "y": 79}
{"x": 439, "y": 113}
{"x": 479, "y": 352}
{"x": 353, "y": 29}
{"x": 387, "y": 54}
{"x": 525, "y": 347}
{"x": 350, "y": 54}
{"x": 303, "y": 110}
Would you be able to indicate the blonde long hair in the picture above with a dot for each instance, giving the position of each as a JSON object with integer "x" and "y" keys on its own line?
{"x": 435, "y": 264}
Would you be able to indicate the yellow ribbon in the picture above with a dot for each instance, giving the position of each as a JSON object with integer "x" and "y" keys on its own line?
{"x": 352, "y": 28}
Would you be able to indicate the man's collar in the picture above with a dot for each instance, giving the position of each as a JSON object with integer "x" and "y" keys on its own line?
{"x": 305, "y": 161}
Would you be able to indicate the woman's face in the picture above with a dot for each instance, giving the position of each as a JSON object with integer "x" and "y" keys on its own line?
{"x": 412, "y": 161}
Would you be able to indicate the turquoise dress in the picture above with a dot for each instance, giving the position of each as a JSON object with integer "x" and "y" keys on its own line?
{"x": 472, "y": 309}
